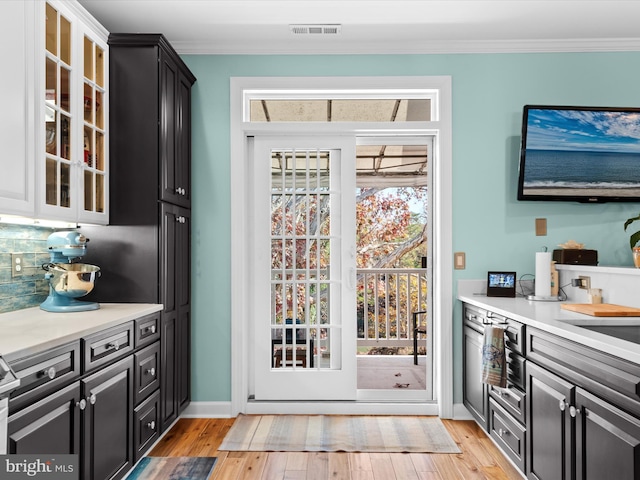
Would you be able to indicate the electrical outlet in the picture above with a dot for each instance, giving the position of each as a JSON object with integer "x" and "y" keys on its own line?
{"x": 17, "y": 264}
{"x": 585, "y": 282}
{"x": 459, "y": 261}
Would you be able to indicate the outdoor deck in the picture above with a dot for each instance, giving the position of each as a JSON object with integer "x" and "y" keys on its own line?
{"x": 381, "y": 372}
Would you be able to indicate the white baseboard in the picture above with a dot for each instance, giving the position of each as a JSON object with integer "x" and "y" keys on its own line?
{"x": 207, "y": 410}
{"x": 460, "y": 412}
{"x": 223, "y": 409}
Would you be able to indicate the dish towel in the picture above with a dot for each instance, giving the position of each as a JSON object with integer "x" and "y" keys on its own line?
{"x": 494, "y": 367}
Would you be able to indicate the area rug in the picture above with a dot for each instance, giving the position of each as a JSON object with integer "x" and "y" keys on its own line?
{"x": 338, "y": 433}
{"x": 173, "y": 468}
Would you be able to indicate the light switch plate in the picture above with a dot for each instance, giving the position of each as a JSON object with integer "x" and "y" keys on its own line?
{"x": 541, "y": 226}
{"x": 459, "y": 260}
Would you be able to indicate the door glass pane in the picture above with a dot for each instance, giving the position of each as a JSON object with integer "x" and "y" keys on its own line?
{"x": 51, "y": 80}
{"x": 51, "y": 133}
{"x": 99, "y": 119}
{"x": 99, "y": 152}
{"x": 65, "y": 185}
{"x": 88, "y": 103}
{"x": 88, "y": 146}
{"x": 99, "y": 193}
{"x": 65, "y": 88}
{"x": 51, "y": 30}
{"x": 65, "y": 137}
{"x": 65, "y": 40}
{"x": 52, "y": 182}
{"x": 99, "y": 66}
{"x": 88, "y": 58}
{"x": 300, "y": 221}
{"x": 88, "y": 190}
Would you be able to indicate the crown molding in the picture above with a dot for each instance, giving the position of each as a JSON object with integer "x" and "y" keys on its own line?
{"x": 434, "y": 47}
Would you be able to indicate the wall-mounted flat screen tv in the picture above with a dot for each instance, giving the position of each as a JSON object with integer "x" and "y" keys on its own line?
{"x": 580, "y": 154}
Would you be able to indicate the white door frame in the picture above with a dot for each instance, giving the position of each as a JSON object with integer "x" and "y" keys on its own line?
{"x": 240, "y": 230}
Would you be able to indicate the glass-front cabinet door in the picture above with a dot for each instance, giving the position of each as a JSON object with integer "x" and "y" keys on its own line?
{"x": 74, "y": 183}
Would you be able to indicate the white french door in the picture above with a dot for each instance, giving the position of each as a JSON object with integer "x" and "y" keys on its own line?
{"x": 304, "y": 268}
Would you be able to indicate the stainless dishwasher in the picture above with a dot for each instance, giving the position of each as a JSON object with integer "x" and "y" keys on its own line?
{"x": 8, "y": 382}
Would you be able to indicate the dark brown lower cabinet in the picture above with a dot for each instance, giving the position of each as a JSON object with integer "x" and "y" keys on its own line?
{"x": 91, "y": 417}
{"x": 549, "y": 434}
{"x": 474, "y": 391}
{"x": 607, "y": 440}
{"x": 573, "y": 434}
{"x": 51, "y": 425}
{"x": 108, "y": 422}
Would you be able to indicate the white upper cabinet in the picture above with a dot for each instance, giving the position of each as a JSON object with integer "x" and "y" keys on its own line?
{"x": 17, "y": 95}
{"x": 71, "y": 157}
{"x": 59, "y": 155}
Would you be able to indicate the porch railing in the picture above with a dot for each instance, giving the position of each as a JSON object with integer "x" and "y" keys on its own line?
{"x": 387, "y": 298}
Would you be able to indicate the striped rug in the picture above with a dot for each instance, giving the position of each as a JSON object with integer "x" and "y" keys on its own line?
{"x": 173, "y": 468}
{"x": 338, "y": 433}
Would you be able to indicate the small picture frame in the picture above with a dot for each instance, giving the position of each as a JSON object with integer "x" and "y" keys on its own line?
{"x": 501, "y": 284}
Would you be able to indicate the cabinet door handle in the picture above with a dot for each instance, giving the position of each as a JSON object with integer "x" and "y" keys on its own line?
{"x": 82, "y": 404}
{"x": 115, "y": 345}
{"x": 502, "y": 432}
{"x": 50, "y": 372}
{"x": 181, "y": 219}
{"x": 151, "y": 425}
{"x": 92, "y": 399}
{"x": 573, "y": 411}
{"x": 151, "y": 371}
{"x": 563, "y": 405}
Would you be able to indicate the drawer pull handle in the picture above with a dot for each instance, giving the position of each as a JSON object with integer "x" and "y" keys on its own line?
{"x": 563, "y": 405}
{"x": 151, "y": 329}
{"x": 502, "y": 432}
{"x": 115, "y": 345}
{"x": 151, "y": 425}
{"x": 50, "y": 372}
{"x": 151, "y": 371}
{"x": 92, "y": 399}
{"x": 82, "y": 404}
{"x": 573, "y": 411}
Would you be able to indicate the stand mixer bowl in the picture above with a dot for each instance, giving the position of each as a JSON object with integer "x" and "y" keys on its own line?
{"x": 72, "y": 279}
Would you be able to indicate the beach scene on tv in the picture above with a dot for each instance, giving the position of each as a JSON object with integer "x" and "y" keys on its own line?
{"x": 583, "y": 152}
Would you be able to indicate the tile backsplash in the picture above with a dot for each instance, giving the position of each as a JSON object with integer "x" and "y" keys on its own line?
{"x": 30, "y": 288}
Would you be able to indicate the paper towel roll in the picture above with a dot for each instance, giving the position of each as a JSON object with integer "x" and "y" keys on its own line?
{"x": 543, "y": 274}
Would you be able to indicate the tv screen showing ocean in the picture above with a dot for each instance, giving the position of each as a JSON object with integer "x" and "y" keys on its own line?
{"x": 576, "y": 169}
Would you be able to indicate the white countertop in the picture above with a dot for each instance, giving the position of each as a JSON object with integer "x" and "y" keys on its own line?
{"x": 548, "y": 316}
{"x": 33, "y": 330}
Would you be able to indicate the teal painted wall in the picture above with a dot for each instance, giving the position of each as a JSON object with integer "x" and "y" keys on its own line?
{"x": 495, "y": 230}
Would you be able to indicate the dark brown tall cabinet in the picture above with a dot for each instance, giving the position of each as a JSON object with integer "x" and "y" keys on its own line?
{"x": 144, "y": 253}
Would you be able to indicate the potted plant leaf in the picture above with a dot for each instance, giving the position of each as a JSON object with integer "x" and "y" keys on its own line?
{"x": 633, "y": 241}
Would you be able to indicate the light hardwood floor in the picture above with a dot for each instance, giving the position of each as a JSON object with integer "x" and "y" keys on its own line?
{"x": 480, "y": 459}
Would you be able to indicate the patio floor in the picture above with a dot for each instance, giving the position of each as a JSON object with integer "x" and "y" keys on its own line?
{"x": 382, "y": 372}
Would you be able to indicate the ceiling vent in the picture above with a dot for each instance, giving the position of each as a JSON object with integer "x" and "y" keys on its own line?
{"x": 315, "y": 29}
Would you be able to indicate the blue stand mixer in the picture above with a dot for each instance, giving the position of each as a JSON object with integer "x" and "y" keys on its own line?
{"x": 68, "y": 281}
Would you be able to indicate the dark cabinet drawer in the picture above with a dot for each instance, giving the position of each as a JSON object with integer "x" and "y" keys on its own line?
{"x": 512, "y": 399}
{"x": 609, "y": 377}
{"x": 44, "y": 373}
{"x": 107, "y": 345}
{"x": 508, "y": 434}
{"x": 147, "y": 367}
{"x": 146, "y": 425}
{"x": 147, "y": 329}
{"x": 514, "y": 335}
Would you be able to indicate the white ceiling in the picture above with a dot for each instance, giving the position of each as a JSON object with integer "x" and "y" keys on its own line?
{"x": 379, "y": 26}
